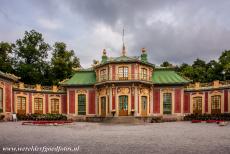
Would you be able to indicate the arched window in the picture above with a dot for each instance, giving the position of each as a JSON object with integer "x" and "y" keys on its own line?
{"x": 143, "y": 74}
{"x": 1, "y": 99}
{"x": 38, "y": 105}
{"x": 81, "y": 104}
{"x": 54, "y": 105}
{"x": 123, "y": 73}
{"x": 21, "y": 105}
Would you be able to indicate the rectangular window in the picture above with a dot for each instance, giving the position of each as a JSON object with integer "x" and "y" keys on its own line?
{"x": 143, "y": 74}
{"x": 123, "y": 73}
{"x": 38, "y": 105}
{"x": 167, "y": 103}
{"x": 54, "y": 106}
{"x": 197, "y": 105}
{"x": 21, "y": 105}
{"x": 215, "y": 102}
{"x": 1, "y": 99}
{"x": 81, "y": 104}
{"x": 103, "y": 74}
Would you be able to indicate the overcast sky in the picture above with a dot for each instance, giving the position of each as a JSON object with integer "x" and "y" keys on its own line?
{"x": 175, "y": 30}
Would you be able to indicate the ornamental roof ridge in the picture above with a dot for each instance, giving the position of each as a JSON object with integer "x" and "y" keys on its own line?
{"x": 10, "y": 76}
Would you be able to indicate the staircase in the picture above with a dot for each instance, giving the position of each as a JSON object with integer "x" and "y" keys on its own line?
{"x": 171, "y": 118}
{"x": 124, "y": 120}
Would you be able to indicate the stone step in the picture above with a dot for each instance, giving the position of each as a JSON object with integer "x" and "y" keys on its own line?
{"x": 124, "y": 120}
{"x": 171, "y": 118}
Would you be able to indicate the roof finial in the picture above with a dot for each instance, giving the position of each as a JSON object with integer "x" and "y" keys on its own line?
{"x": 123, "y": 47}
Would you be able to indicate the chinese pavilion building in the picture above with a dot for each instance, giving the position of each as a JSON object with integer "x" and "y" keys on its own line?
{"x": 116, "y": 86}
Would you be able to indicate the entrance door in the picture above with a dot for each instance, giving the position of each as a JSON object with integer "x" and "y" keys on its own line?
{"x": 144, "y": 105}
{"x": 167, "y": 103}
{"x": 197, "y": 105}
{"x": 103, "y": 106}
{"x": 123, "y": 105}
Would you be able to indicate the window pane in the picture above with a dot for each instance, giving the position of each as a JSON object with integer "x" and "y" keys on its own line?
{"x": 55, "y": 105}
{"x": 82, "y": 104}
{"x": 38, "y": 105}
{"x": 1, "y": 98}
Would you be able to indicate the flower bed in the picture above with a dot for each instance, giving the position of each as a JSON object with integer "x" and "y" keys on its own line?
{"x": 41, "y": 117}
{"x": 205, "y": 117}
{"x": 196, "y": 121}
{"x": 46, "y": 122}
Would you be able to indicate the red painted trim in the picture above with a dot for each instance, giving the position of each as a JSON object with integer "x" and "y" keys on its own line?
{"x": 156, "y": 101}
{"x": 132, "y": 98}
{"x": 72, "y": 102}
{"x": 113, "y": 72}
{"x": 133, "y": 71}
{"x": 186, "y": 102}
{"x": 13, "y": 106}
{"x": 132, "y": 103}
{"x": 8, "y": 96}
{"x": 47, "y": 103}
{"x": 64, "y": 103}
{"x": 225, "y": 100}
{"x": 92, "y": 102}
{"x": 206, "y": 102}
{"x": 177, "y": 108}
{"x": 113, "y": 99}
{"x": 30, "y": 102}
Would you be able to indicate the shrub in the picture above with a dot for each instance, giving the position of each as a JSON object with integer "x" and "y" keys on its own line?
{"x": 221, "y": 116}
{"x": 39, "y": 117}
{"x": 2, "y": 117}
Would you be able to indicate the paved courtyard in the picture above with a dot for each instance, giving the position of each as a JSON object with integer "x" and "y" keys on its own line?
{"x": 174, "y": 137}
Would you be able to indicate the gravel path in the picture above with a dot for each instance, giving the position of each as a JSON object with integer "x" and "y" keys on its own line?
{"x": 174, "y": 137}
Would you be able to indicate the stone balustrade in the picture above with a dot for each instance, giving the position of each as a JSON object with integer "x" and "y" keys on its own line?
{"x": 37, "y": 87}
{"x": 214, "y": 84}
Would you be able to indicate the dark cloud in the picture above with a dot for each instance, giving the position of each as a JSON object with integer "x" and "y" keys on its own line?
{"x": 177, "y": 31}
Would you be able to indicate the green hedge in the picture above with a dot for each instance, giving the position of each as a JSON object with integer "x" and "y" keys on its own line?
{"x": 47, "y": 117}
{"x": 2, "y": 117}
{"x": 222, "y": 116}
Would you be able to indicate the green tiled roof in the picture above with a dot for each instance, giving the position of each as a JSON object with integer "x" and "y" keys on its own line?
{"x": 167, "y": 76}
{"x": 81, "y": 78}
{"x": 124, "y": 59}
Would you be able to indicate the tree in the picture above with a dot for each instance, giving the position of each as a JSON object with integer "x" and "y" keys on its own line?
{"x": 6, "y": 62}
{"x": 63, "y": 62}
{"x": 166, "y": 64}
{"x": 214, "y": 70}
{"x": 224, "y": 61}
{"x": 199, "y": 71}
{"x": 31, "y": 52}
{"x": 186, "y": 70}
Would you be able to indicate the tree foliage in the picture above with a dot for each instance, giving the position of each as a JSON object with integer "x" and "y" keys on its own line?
{"x": 6, "y": 62}
{"x": 31, "y": 52}
{"x": 63, "y": 61}
{"x": 28, "y": 58}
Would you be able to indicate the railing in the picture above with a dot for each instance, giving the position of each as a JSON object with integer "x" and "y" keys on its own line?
{"x": 37, "y": 87}
{"x": 214, "y": 84}
{"x": 125, "y": 77}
